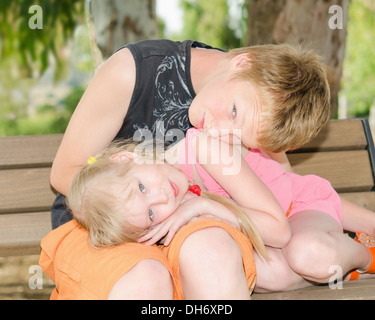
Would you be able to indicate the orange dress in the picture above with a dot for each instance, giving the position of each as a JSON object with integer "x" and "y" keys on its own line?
{"x": 172, "y": 251}
{"x": 82, "y": 272}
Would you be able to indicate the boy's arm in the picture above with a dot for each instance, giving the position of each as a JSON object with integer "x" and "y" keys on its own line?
{"x": 229, "y": 169}
{"x": 97, "y": 118}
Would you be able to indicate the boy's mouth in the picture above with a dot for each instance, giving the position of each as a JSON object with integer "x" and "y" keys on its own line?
{"x": 201, "y": 122}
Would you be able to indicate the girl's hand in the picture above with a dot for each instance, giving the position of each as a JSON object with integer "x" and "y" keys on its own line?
{"x": 191, "y": 210}
{"x": 168, "y": 228}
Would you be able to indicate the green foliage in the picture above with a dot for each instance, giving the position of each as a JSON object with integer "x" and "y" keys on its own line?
{"x": 46, "y": 119}
{"x": 358, "y": 82}
{"x": 210, "y": 22}
{"x": 59, "y": 18}
{"x": 26, "y": 54}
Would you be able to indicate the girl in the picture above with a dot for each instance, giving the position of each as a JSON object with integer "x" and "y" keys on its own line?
{"x": 112, "y": 196}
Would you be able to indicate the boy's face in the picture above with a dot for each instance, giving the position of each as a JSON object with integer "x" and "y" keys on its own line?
{"x": 228, "y": 108}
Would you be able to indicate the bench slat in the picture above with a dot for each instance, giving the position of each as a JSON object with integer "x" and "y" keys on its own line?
{"x": 25, "y": 190}
{"x": 353, "y": 290}
{"x": 28, "y": 151}
{"x": 363, "y": 199}
{"x": 347, "y": 171}
{"x": 20, "y": 234}
{"x": 338, "y": 135}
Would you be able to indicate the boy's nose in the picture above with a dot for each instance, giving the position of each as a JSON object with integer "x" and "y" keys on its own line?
{"x": 218, "y": 128}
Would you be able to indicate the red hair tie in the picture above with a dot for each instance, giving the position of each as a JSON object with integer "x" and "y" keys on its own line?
{"x": 195, "y": 189}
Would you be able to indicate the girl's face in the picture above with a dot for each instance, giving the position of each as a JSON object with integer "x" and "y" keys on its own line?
{"x": 158, "y": 191}
{"x": 230, "y": 104}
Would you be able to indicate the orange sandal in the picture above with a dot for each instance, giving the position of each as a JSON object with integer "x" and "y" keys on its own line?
{"x": 369, "y": 242}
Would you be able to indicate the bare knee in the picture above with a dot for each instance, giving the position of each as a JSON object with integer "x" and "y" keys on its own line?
{"x": 214, "y": 246}
{"x": 214, "y": 242}
{"x": 148, "y": 279}
{"x": 275, "y": 274}
{"x": 206, "y": 256}
{"x": 312, "y": 255}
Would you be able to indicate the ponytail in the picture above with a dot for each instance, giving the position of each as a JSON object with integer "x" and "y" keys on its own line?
{"x": 247, "y": 226}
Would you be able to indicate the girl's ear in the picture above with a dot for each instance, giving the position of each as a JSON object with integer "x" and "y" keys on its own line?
{"x": 123, "y": 157}
{"x": 240, "y": 60}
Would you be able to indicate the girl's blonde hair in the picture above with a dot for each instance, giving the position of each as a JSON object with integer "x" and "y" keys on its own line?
{"x": 247, "y": 226}
{"x": 93, "y": 197}
{"x": 294, "y": 91}
{"x": 94, "y": 203}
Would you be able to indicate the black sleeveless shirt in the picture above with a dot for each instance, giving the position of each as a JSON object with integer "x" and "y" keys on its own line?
{"x": 163, "y": 90}
{"x": 161, "y": 98}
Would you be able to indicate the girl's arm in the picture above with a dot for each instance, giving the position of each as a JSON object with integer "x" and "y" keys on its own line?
{"x": 226, "y": 165}
{"x": 97, "y": 118}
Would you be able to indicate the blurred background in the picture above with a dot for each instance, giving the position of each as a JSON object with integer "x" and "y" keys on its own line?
{"x": 50, "y": 49}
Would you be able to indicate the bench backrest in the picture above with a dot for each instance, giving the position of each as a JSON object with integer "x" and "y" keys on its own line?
{"x": 342, "y": 153}
{"x": 25, "y": 192}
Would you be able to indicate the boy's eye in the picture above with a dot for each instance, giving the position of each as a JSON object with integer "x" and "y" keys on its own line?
{"x": 142, "y": 188}
{"x": 234, "y": 111}
{"x": 150, "y": 214}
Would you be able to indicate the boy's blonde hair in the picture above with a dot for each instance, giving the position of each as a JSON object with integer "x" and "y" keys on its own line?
{"x": 94, "y": 202}
{"x": 294, "y": 91}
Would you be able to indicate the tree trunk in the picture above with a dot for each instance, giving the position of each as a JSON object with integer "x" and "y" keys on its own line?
{"x": 320, "y": 24}
{"x": 118, "y": 22}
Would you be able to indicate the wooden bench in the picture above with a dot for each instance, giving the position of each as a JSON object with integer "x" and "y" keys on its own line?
{"x": 343, "y": 153}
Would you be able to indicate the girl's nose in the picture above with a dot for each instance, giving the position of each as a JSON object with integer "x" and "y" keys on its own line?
{"x": 159, "y": 197}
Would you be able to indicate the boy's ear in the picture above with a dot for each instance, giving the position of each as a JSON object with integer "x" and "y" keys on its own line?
{"x": 123, "y": 156}
{"x": 240, "y": 61}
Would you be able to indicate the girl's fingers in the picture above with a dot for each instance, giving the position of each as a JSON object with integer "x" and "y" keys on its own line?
{"x": 164, "y": 229}
{"x": 148, "y": 235}
{"x": 154, "y": 235}
{"x": 154, "y": 239}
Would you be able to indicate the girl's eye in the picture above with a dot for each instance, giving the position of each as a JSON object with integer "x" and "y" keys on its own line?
{"x": 142, "y": 188}
{"x": 150, "y": 214}
{"x": 234, "y": 112}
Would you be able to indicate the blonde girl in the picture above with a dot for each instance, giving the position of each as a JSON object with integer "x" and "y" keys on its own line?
{"x": 110, "y": 197}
